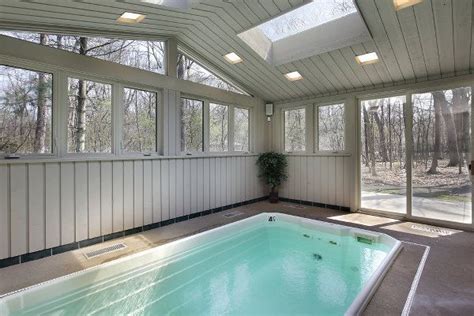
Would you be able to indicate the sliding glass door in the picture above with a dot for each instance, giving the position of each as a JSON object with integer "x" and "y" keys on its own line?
{"x": 414, "y": 156}
{"x": 383, "y": 151}
{"x": 441, "y": 154}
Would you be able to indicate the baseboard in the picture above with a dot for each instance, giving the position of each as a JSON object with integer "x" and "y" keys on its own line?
{"x": 317, "y": 204}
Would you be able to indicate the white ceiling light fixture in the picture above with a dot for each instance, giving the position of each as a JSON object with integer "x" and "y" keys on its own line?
{"x": 293, "y": 76}
{"x": 130, "y": 18}
{"x": 367, "y": 59}
{"x": 402, "y": 4}
{"x": 233, "y": 58}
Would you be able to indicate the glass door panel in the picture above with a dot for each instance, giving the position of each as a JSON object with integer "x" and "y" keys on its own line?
{"x": 441, "y": 154}
{"x": 383, "y": 155}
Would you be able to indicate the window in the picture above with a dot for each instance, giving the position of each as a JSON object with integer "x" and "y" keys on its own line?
{"x": 294, "y": 130}
{"x": 90, "y": 117}
{"x": 25, "y": 111}
{"x": 191, "y": 125}
{"x": 139, "y": 121}
{"x": 188, "y": 69}
{"x": 331, "y": 127}
{"x": 146, "y": 55}
{"x": 241, "y": 129}
{"x": 218, "y": 127}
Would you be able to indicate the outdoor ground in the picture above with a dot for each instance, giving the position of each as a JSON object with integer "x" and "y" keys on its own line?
{"x": 445, "y": 284}
{"x": 445, "y": 195}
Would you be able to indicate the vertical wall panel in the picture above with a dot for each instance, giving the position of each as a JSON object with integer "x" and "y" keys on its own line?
{"x": 68, "y": 226}
{"x": 206, "y": 179}
{"x": 147, "y": 193}
{"x": 81, "y": 211}
{"x": 324, "y": 165}
{"x": 117, "y": 196}
{"x": 106, "y": 189}
{"x": 339, "y": 181}
{"x": 317, "y": 197}
{"x": 172, "y": 187}
{"x": 212, "y": 183}
{"x": 200, "y": 184}
{"x": 4, "y": 213}
{"x": 157, "y": 191}
{"x": 19, "y": 209}
{"x": 36, "y": 207}
{"x": 187, "y": 186}
{"x": 94, "y": 200}
{"x": 165, "y": 188}
{"x": 179, "y": 196}
{"x": 128, "y": 194}
{"x": 219, "y": 183}
{"x": 137, "y": 193}
{"x": 53, "y": 206}
{"x": 194, "y": 185}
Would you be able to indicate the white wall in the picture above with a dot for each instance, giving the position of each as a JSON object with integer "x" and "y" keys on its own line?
{"x": 47, "y": 204}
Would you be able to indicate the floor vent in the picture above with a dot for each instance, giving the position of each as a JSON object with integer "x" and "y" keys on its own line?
{"x": 232, "y": 214}
{"x": 105, "y": 250}
{"x": 432, "y": 229}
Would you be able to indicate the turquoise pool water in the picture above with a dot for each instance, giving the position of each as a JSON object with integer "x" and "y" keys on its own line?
{"x": 267, "y": 268}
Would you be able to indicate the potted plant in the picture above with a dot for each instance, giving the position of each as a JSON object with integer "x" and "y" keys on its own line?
{"x": 272, "y": 169}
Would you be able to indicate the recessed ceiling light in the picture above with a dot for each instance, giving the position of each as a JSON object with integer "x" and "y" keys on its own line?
{"x": 293, "y": 76}
{"x": 368, "y": 58}
{"x": 402, "y": 4}
{"x": 233, "y": 58}
{"x": 130, "y": 18}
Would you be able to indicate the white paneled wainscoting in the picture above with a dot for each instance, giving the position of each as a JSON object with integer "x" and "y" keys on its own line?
{"x": 326, "y": 181}
{"x": 48, "y": 207}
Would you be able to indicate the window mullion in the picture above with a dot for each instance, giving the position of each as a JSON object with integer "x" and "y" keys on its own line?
{"x": 230, "y": 126}
{"x": 206, "y": 126}
{"x": 61, "y": 98}
{"x": 117, "y": 121}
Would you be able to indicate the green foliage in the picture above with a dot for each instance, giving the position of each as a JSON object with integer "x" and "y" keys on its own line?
{"x": 272, "y": 168}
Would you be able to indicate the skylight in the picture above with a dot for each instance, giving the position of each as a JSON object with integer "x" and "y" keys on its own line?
{"x": 314, "y": 28}
{"x": 306, "y": 17}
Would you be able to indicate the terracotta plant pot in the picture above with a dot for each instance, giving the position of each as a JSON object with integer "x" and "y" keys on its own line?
{"x": 273, "y": 197}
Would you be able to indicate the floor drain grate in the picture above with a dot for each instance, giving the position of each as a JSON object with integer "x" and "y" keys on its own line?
{"x": 432, "y": 229}
{"x": 232, "y": 214}
{"x": 105, "y": 250}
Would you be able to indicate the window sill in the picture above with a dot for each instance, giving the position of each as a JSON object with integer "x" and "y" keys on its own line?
{"x": 80, "y": 158}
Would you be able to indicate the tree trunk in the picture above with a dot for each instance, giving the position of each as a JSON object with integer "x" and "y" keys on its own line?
{"x": 460, "y": 105}
{"x": 383, "y": 143}
{"x": 437, "y": 137}
{"x": 81, "y": 105}
{"x": 450, "y": 128}
{"x": 366, "y": 145}
{"x": 40, "y": 131}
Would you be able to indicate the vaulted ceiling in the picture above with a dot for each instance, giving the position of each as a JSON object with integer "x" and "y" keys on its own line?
{"x": 427, "y": 41}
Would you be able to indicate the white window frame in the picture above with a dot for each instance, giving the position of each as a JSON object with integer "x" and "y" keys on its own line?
{"x": 115, "y": 96}
{"x": 316, "y": 127}
{"x": 205, "y": 118}
{"x": 158, "y": 121}
{"x": 31, "y": 66}
{"x": 249, "y": 132}
{"x": 206, "y": 128}
{"x": 285, "y": 109}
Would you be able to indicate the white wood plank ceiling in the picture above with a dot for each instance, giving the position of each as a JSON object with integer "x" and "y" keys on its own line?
{"x": 428, "y": 41}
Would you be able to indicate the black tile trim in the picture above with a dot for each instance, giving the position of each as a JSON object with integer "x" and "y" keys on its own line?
{"x": 36, "y": 255}
{"x": 64, "y": 248}
{"x": 9, "y": 262}
{"x": 88, "y": 242}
